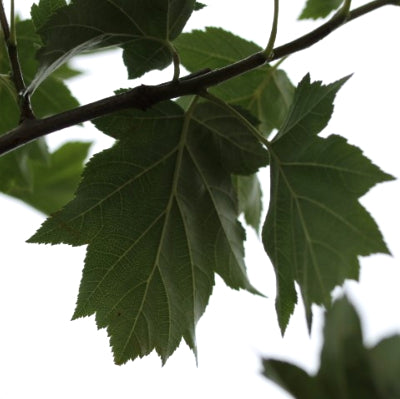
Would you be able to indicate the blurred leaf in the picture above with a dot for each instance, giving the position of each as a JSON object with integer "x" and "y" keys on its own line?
{"x": 266, "y": 92}
{"x": 385, "y": 365}
{"x": 292, "y": 379}
{"x": 142, "y": 28}
{"x": 250, "y": 199}
{"x": 315, "y": 227}
{"x": 319, "y": 8}
{"x": 52, "y": 97}
{"x": 53, "y": 185}
{"x": 42, "y": 12}
{"x": 160, "y": 218}
{"x": 348, "y": 370}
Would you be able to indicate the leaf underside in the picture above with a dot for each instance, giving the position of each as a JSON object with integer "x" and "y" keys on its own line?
{"x": 265, "y": 92}
{"x": 142, "y": 28}
{"x": 315, "y": 9}
{"x": 159, "y": 213}
{"x": 19, "y": 170}
{"x": 315, "y": 228}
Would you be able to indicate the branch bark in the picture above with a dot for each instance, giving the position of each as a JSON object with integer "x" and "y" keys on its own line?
{"x": 143, "y": 97}
{"x": 16, "y": 71}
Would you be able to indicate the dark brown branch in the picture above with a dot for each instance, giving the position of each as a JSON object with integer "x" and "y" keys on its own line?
{"x": 143, "y": 97}
{"x": 16, "y": 72}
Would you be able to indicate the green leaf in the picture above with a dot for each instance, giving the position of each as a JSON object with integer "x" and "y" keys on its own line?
{"x": 348, "y": 370}
{"x": 54, "y": 184}
{"x": 266, "y": 92}
{"x": 52, "y": 97}
{"x": 250, "y": 199}
{"x": 143, "y": 29}
{"x": 198, "y": 6}
{"x": 319, "y": 8}
{"x": 159, "y": 213}
{"x": 315, "y": 227}
{"x": 292, "y": 379}
{"x": 385, "y": 365}
{"x": 42, "y": 12}
{"x": 345, "y": 371}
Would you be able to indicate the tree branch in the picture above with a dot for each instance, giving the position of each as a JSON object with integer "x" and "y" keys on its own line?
{"x": 16, "y": 72}
{"x": 143, "y": 97}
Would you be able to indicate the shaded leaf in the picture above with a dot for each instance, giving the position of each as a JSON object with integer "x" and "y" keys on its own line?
{"x": 315, "y": 227}
{"x": 53, "y": 184}
{"x": 266, "y": 92}
{"x": 345, "y": 371}
{"x": 292, "y": 379}
{"x": 250, "y": 199}
{"x": 143, "y": 29}
{"x": 159, "y": 213}
{"x": 52, "y": 97}
{"x": 198, "y": 6}
{"x": 42, "y": 12}
{"x": 319, "y": 8}
{"x": 348, "y": 370}
{"x": 385, "y": 365}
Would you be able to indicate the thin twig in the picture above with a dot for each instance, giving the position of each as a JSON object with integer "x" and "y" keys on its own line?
{"x": 16, "y": 71}
{"x": 143, "y": 97}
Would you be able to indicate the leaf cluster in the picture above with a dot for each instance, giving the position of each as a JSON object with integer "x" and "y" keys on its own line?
{"x": 160, "y": 210}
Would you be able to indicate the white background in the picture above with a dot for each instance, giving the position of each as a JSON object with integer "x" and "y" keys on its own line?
{"x": 45, "y": 355}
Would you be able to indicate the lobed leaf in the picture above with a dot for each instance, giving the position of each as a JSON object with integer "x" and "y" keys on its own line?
{"x": 266, "y": 92}
{"x": 348, "y": 369}
{"x": 159, "y": 214}
{"x": 142, "y": 28}
{"x": 315, "y": 227}
{"x": 319, "y": 8}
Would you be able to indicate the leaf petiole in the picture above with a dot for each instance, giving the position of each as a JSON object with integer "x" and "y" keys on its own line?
{"x": 176, "y": 62}
{"x": 268, "y": 52}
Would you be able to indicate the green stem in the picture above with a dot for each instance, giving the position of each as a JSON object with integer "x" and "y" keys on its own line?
{"x": 16, "y": 71}
{"x": 344, "y": 12}
{"x": 268, "y": 52}
{"x": 223, "y": 104}
{"x": 176, "y": 62}
{"x": 143, "y": 97}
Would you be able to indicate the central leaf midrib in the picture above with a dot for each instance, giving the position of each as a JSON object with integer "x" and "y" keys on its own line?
{"x": 301, "y": 217}
{"x": 176, "y": 174}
